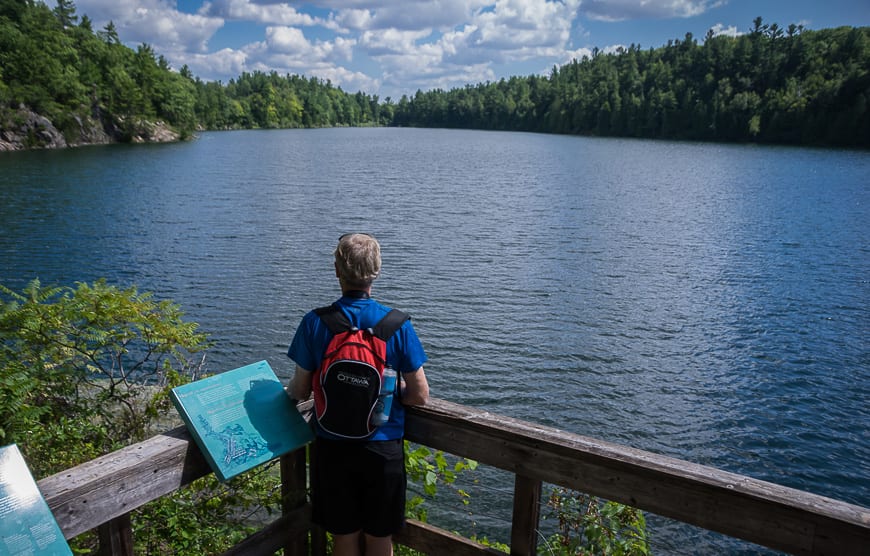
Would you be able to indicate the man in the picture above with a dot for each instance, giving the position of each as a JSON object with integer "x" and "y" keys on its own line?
{"x": 359, "y": 486}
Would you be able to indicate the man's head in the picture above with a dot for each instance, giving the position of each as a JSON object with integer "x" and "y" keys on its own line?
{"x": 357, "y": 261}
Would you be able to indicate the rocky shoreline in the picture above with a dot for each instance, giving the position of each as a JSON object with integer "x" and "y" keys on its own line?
{"x": 22, "y": 129}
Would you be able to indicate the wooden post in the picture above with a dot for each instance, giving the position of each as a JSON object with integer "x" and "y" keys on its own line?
{"x": 318, "y": 535}
{"x": 116, "y": 537}
{"x": 527, "y": 513}
{"x": 101, "y": 491}
{"x": 293, "y": 489}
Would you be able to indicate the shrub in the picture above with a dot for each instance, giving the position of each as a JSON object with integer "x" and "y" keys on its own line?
{"x": 588, "y": 525}
{"x": 87, "y": 370}
{"x": 84, "y": 370}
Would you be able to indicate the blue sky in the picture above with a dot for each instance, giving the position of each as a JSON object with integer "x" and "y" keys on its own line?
{"x": 395, "y": 47}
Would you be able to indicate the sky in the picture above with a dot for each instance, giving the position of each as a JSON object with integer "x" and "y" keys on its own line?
{"x": 392, "y": 48}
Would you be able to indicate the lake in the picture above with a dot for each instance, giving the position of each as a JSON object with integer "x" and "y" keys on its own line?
{"x": 704, "y": 301}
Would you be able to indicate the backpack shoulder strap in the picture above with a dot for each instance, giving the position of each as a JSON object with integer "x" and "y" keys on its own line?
{"x": 334, "y": 318}
{"x": 388, "y": 325}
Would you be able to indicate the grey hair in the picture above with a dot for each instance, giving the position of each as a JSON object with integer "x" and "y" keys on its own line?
{"x": 358, "y": 259}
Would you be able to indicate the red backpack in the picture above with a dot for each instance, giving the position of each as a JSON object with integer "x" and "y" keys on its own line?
{"x": 347, "y": 384}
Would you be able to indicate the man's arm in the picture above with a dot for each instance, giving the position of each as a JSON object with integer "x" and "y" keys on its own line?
{"x": 300, "y": 386}
{"x": 415, "y": 388}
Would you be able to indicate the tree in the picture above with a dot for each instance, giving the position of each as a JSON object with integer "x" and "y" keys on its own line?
{"x": 771, "y": 85}
{"x": 110, "y": 33}
{"x": 65, "y": 11}
{"x": 87, "y": 370}
{"x": 74, "y": 363}
{"x": 13, "y": 10}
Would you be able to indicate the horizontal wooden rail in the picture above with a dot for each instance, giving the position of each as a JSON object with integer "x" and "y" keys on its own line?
{"x": 108, "y": 488}
{"x": 760, "y": 512}
{"x": 429, "y": 539}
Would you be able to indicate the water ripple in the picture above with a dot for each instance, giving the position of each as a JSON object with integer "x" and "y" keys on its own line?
{"x": 703, "y": 301}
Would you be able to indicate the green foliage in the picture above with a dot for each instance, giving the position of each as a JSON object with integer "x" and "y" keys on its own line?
{"x": 500, "y": 546}
{"x": 590, "y": 526}
{"x": 84, "y": 370}
{"x": 260, "y": 100}
{"x": 87, "y": 370}
{"x": 771, "y": 85}
{"x": 64, "y": 70}
{"x": 429, "y": 469}
{"x": 585, "y": 525}
{"x": 208, "y": 517}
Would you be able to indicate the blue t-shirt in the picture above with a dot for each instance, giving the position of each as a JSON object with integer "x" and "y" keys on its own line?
{"x": 404, "y": 352}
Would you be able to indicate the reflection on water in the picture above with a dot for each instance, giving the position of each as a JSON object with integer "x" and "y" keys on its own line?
{"x": 706, "y": 302}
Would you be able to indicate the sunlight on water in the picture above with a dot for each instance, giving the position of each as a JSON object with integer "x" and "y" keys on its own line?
{"x": 707, "y": 302}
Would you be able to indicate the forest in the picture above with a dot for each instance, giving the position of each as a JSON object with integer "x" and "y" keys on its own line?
{"x": 53, "y": 62}
{"x": 771, "y": 85}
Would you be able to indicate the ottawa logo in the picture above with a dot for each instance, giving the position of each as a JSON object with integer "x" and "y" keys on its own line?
{"x": 352, "y": 380}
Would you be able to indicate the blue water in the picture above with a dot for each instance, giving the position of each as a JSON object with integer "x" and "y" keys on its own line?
{"x": 708, "y": 302}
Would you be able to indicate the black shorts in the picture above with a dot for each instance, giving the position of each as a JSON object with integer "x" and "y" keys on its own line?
{"x": 359, "y": 486}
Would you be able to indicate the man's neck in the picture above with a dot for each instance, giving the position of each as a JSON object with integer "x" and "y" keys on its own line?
{"x": 358, "y": 294}
{"x": 349, "y": 289}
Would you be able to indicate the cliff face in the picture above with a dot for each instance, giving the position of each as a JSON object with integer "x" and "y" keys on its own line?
{"x": 24, "y": 129}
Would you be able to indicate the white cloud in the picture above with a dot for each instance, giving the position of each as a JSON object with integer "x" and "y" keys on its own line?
{"x": 404, "y": 77}
{"x": 391, "y": 41}
{"x": 400, "y": 45}
{"x": 620, "y": 10}
{"x": 354, "y": 19}
{"x": 155, "y": 22}
{"x": 519, "y": 29}
{"x": 270, "y": 13}
{"x": 286, "y": 50}
{"x": 286, "y": 39}
{"x": 577, "y": 54}
{"x": 419, "y": 14}
{"x": 350, "y": 81}
{"x": 219, "y": 66}
{"x": 730, "y": 31}
{"x": 506, "y": 31}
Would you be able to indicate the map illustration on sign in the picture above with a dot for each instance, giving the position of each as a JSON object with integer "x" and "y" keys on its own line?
{"x": 241, "y": 418}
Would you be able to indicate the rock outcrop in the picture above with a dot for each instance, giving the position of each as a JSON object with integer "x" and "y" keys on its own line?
{"x": 22, "y": 128}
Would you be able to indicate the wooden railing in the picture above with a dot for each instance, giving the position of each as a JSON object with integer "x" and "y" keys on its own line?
{"x": 101, "y": 493}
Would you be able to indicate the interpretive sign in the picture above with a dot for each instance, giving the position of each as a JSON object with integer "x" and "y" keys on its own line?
{"x": 27, "y": 525}
{"x": 241, "y": 418}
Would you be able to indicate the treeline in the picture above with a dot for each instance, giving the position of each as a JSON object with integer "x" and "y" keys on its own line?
{"x": 771, "y": 85}
{"x": 260, "y": 100}
{"x": 57, "y": 66}
{"x": 54, "y": 63}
